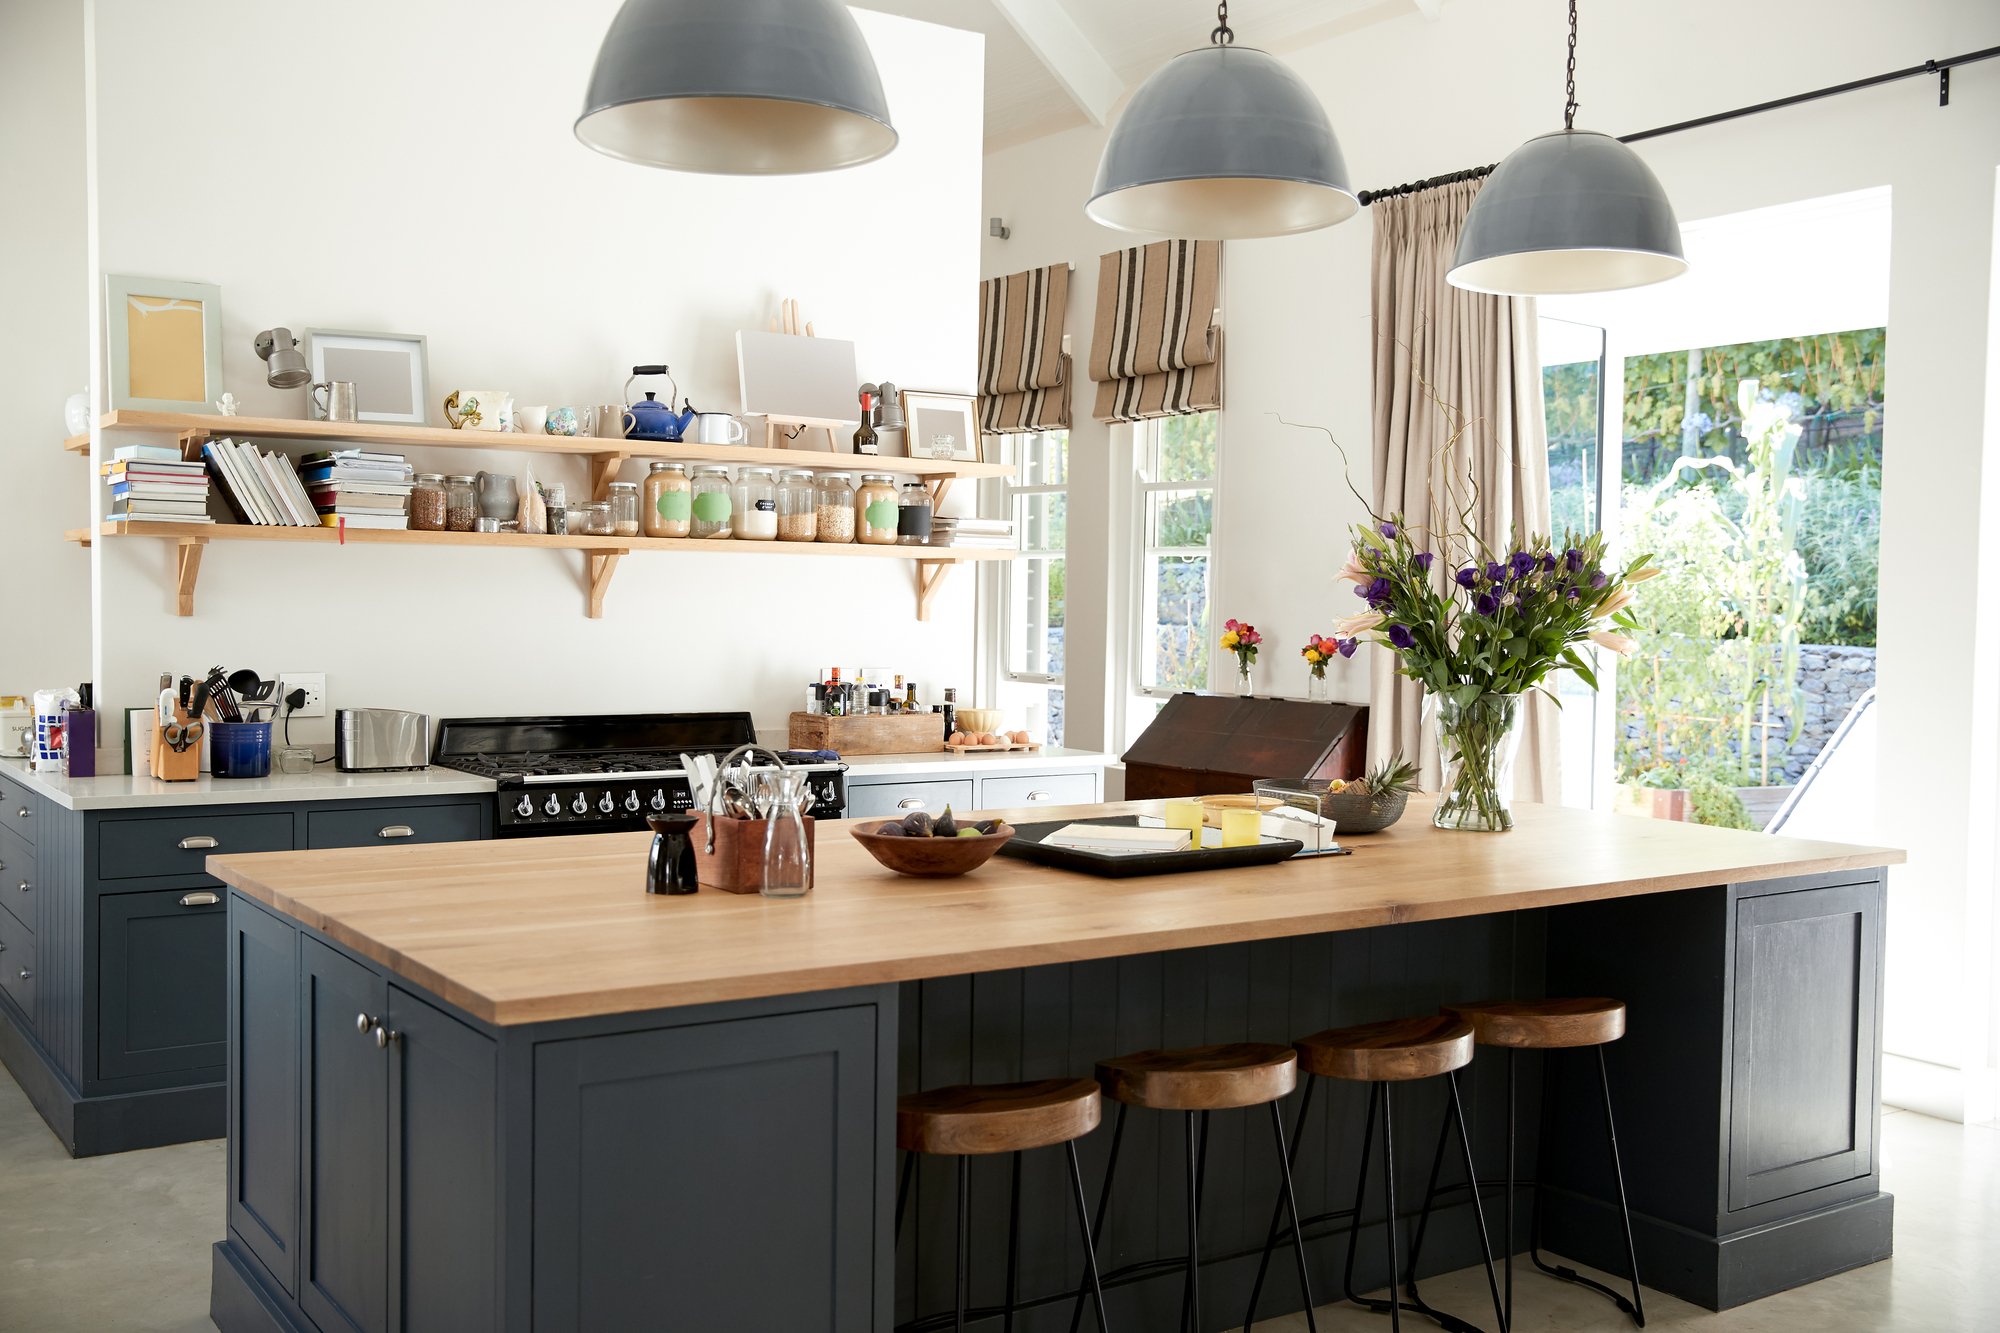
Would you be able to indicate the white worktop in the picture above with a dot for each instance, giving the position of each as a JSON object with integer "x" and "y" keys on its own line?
{"x": 126, "y": 791}
{"x": 945, "y": 763}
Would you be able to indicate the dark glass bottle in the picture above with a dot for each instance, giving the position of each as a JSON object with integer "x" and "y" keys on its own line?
{"x": 950, "y": 713}
{"x": 864, "y": 434}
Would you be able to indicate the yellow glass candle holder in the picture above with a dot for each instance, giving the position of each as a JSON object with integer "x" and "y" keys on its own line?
{"x": 1241, "y": 828}
{"x": 1184, "y": 815}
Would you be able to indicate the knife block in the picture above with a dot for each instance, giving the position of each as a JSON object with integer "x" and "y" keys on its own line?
{"x": 737, "y": 863}
{"x": 171, "y": 765}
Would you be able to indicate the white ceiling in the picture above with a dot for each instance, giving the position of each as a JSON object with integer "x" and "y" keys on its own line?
{"x": 1025, "y": 98}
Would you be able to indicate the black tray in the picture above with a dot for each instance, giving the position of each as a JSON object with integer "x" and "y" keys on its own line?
{"x": 1027, "y": 844}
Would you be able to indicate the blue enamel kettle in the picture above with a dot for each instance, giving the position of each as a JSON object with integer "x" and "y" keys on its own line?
{"x": 650, "y": 419}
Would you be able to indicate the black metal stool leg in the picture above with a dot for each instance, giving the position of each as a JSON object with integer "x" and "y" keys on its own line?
{"x": 1360, "y": 1195}
{"x": 1013, "y": 1246}
{"x": 1094, "y": 1235}
{"x": 1089, "y": 1250}
{"x": 1478, "y": 1209}
{"x": 1292, "y": 1207}
{"x": 1454, "y": 1113}
{"x": 961, "y": 1243}
{"x": 1508, "y": 1322}
{"x": 1430, "y": 1193}
{"x": 1638, "y": 1309}
{"x": 1563, "y": 1271}
{"x": 1193, "y": 1298}
{"x": 1389, "y": 1222}
{"x": 1278, "y": 1210}
{"x": 903, "y": 1189}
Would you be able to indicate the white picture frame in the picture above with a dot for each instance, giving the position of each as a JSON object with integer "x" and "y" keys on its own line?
{"x": 798, "y": 380}
{"x": 930, "y": 417}
{"x": 390, "y": 372}
{"x": 169, "y": 364}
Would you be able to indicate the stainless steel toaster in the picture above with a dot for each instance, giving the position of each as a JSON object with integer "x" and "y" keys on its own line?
{"x": 369, "y": 739}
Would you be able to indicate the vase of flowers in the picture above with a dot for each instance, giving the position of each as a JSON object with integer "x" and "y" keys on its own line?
{"x": 1481, "y": 632}
{"x": 1318, "y": 652}
{"x": 1241, "y": 638}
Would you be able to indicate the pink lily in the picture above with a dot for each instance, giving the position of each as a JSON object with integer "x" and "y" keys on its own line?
{"x": 1617, "y": 643}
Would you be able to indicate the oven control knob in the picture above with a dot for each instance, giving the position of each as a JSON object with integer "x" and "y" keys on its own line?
{"x": 659, "y": 801}
{"x": 581, "y": 805}
{"x": 526, "y": 808}
{"x": 607, "y": 803}
{"x": 553, "y": 806}
{"x": 632, "y": 801}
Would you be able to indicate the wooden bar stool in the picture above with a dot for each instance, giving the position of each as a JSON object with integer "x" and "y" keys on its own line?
{"x": 1194, "y": 1081}
{"x": 1554, "y": 1025}
{"x": 970, "y": 1120}
{"x": 1380, "y": 1055}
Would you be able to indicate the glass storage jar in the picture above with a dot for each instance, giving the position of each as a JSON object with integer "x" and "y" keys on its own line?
{"x": 757, "y": 504}
{"x": 798, "y": 507}
{"x": 591, "y": 520}
{"x": 427, "y": 503}
{"x": 669, "y": 501}
{"x": 875, "y": 510}
{"x": 624, "y": 508}
{"x": 913, "y": 514}
{"x": 835, "y": 506}
{"x": 713, "y": 503}
{"x": 461, "y": 504}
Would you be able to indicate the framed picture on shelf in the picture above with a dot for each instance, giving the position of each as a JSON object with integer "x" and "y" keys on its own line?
{"x": 940, "y": 425}
{"x": 390, "y": 372}
{"x": 164, "y": 340}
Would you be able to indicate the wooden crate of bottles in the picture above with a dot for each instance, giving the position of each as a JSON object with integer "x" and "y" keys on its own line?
{"x": 869, "y": 733}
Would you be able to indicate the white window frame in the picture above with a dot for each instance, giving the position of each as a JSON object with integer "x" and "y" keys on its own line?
{"x": 1139, "y": 640}
{"x": 1013, "y": 490}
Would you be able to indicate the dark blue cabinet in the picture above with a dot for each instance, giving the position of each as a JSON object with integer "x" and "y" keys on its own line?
{"x": 343, "y": 1142}
{"x": 263, "y": 1103}
{"x": 155, "y": 1014}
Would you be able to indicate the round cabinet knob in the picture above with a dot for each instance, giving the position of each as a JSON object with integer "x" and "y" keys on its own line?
{"x": 632, "y": 802}
{"x": 383, "y": 1037}
{"x": 580, "y": 805}
{"x": 552, "y": 806}
{"x": 526, "y": 806}
{"x": 607, "y": 803}
{"x": 23, "y": 886}
{"x": 659, "y": 801}
{"x": 26, "y": 975}
{"x": 22, "y": 812}
{"x": 362, "y": 1023}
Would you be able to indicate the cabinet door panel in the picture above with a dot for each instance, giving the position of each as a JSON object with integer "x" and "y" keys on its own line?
{"x": 887, "y": 800}
{"x": 394, "y": 826}
{"x": 264, "y": 1088}
{"x": 684, "y": 1169}
{"x": 444, "y": 1168}
{"x": 1802, "y": 1065}
{"x": 1005, "y": 793}
{"x": 160, "y": 982}
{"x": 344, "y": 1131}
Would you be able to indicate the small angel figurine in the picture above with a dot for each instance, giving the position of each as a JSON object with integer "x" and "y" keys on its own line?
{"x": 226, "y": 404}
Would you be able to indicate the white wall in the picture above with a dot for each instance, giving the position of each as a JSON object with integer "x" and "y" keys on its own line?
{"x": 412, "y": 169}
{"x": 44, "y": 346}
{"x": 1412, "y": 99}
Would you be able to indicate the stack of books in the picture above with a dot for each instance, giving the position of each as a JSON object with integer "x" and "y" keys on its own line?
{"x": 992, "y": 534}
{"x": 151, "y": 483}
{"x": 261, "y": 488}
{"x": 358, "y": 489}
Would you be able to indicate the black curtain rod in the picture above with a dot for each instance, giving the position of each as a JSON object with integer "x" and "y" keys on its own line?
{"x": 1941, "y": 68}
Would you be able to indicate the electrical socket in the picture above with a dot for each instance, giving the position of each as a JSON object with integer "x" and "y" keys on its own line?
{"x": 313, "y": 683}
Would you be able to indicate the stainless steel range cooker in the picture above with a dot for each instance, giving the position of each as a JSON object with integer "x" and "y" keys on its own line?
{"x": 603, "y": 773}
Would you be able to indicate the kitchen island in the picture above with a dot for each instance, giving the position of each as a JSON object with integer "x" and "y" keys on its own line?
{"x": 497, "y": 1085}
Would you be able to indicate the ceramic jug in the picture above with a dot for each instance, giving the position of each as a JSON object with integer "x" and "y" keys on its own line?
{"x": 499, "y": 497}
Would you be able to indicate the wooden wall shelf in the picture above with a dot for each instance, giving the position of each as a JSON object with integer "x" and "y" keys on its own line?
{"x": 602, "y": 554}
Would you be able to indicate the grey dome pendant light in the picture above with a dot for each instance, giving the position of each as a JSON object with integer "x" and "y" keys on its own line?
{"x": 1571, "y": 211}
{"x": 1222, "y": 143}
{"x": 737, "y": 88}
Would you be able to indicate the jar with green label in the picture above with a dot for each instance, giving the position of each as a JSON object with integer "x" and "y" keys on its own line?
{"x": 668, "y": 505}
{"x": 875, "y": 510}
{"x": 713, "y": 504}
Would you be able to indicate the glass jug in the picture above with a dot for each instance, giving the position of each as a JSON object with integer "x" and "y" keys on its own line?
{"x": 787, "y": 856}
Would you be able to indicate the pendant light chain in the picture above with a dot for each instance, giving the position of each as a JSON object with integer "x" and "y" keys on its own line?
{"x": 1569, "y": 105}
{"x": 1222, "y": 36}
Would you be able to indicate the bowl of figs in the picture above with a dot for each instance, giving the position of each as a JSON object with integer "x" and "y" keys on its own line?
{"x": 933, "y": 848}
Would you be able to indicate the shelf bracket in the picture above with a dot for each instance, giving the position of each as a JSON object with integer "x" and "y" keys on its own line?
{"x": 604, "y": 471}
{"x": 187, "y": 568}
{"x": 190, "y": 442}
{"x": 931, "y": 575}
{"x": 939, "y": 487}
{"x": 599, "y": 566}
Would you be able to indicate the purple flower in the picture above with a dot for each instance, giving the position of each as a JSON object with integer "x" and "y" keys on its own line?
{"x": 1422, "y": 560}
{"x": 1574, "y": 559}
{"x": 1400, "y": 636}
{"x": 1377, "y": 593}
{"x": 1346, "y": 647}
{"x": 1387, "y": 529}
{"x": 1487, "y": 604}
{"x": 1598, "y": 580}
{"x": 1574, "y": 595}
{"x": 1523, "y": 564}
{"x": 1548, "y": 562}
{"x": 1467, "y": 577}
{"x": 1495, "y": 571}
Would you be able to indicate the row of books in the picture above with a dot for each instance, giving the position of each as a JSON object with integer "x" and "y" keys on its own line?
{"x": 359, "y": 488}
{"x": 152, "y": 483}
{"x": 989, "y": 534}
{"x": 259, "y": 487}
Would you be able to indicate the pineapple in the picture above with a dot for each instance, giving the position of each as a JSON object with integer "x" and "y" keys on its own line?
{"x": 1394, "y": 777}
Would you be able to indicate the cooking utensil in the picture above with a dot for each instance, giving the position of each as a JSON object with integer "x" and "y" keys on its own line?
{"x": 218, "y": 689}
{"x": 249, "y": 686}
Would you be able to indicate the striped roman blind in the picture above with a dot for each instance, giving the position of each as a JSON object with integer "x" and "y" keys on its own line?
{"x": 1155, "y": 351}
{"x": 1023, "y": 374}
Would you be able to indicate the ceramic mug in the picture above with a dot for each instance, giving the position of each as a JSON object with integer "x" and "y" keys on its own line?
{"x": 718, "y": 428}
{"x": 531, "y": 419}
{"x": 568, "y": 421}
{"x": 612, "y": 420}
{"x": 479, "y": 409}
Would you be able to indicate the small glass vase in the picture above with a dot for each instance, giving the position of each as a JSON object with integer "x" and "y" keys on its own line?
{"x": 1316, "y": 685}
{"x": 1243, "y": 678}
{"x": 1477, "y": 742}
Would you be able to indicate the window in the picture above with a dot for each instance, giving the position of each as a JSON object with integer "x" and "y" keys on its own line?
{"x": 1176, "y": 479}
{"x": 1036, "y": 583}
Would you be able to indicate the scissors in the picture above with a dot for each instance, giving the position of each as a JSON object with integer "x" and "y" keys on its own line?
{"x": 178, "y": 735}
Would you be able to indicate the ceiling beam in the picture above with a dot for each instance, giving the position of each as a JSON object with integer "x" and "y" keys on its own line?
{"x": 1053, "y": 35}
{"x": 1430, "y": 9}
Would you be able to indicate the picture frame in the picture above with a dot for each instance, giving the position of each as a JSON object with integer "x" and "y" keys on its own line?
{"x": 164, "y": 343}
{"x": 931, "y": 418}
{"x": 390, "y": 372}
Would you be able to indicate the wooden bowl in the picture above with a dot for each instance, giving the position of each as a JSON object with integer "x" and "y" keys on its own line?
{"x": 931, "y": 858}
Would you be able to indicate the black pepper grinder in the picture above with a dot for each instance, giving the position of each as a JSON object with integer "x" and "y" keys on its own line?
{"x": 670, "y": 866}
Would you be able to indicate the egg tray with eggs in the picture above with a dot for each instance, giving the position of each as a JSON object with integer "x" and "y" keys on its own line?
{"x": 989, "y": 742}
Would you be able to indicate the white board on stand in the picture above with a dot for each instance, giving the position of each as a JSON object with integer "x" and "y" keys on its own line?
{"x": 798, "y": 380}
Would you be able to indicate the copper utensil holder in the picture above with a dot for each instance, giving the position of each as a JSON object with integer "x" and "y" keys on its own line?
{"x": 736, "y": 865}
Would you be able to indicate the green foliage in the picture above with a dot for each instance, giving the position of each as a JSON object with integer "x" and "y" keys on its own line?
{"x": 1711, "y": 803}
{"x": 1570, "y": 407}
{"x": 1840, "y": 540}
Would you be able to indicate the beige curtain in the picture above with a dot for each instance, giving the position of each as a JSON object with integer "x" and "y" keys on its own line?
{"x": 1024, "y": 377}
{"x": 1478, "y": 356}
{"x": 1155, "y": 349}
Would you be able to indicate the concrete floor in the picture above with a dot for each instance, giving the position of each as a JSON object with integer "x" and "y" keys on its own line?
{"x": 122, "y": 1243}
